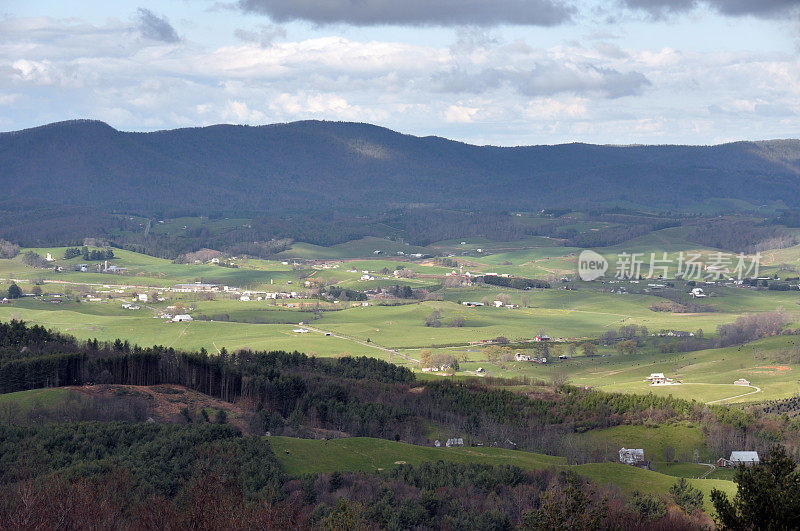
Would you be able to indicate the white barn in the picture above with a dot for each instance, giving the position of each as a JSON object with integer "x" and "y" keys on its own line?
{"x": 744, "y": 458}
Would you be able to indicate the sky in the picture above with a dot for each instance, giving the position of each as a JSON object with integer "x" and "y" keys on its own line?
{"x": 500, "y": 72}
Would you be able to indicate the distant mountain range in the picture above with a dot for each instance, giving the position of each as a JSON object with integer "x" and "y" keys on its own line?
{"x": 313, "y": 165}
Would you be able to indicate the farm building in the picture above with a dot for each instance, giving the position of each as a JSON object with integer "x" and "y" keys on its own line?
{"x": 542, "y": 337}
{"x": 658, "y": 378}
{"x": 519, "y": 356}
{"x": 181, "y": 318}
{"x": 193, "y": 288}
{"x": 454, "y": 442}
{"x": 739, "y": 458}
{"x": 741, "y": 381}
{"x": 631, "y": 456}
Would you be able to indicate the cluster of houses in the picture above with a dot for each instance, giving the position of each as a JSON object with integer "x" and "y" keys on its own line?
{"x": 673, "y": 333}
{"x": 401, "y": 253}
{"x": 519, "y": 356}
{"x": 501, "y": 304}
{"x": 440, "y": 368}
{"x": 243, "y": 295}
{"x": 539, "y": 338}
{"x": 658, "y": 378}
{"x": 100, "y": 268}
{"x": 450, "y": 443}
{"x": 195, "y": 287}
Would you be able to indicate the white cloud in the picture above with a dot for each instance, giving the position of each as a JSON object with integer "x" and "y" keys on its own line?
{"x": 239, "y": 112}
{"x": 553, "y": 109}
{"x": 481, "y": 87}
{"x": 321, "y": 106}
{"x": 460, "y": 114}
{"x": 38, "y": 72}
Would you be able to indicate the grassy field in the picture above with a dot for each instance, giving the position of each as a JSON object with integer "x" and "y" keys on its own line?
{"x": 684, "y": 439}
{"x": 26, "y": 399}
{"x": 583, "y": 313}
{"x": 707, "y": 375}
{"x": 305, "y": 456}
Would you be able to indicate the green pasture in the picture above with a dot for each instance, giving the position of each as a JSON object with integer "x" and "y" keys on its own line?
{"x": 26, "y": 399}
{"x": 707, "y": 375}
{"x": 144, "y": 270}
{"x": 683, "y": 438}
{"x": 145, "y": 330}
{"x": 308, "y": 456}
{"x": 404, "y": 326}
{"x": 361, "y": 248}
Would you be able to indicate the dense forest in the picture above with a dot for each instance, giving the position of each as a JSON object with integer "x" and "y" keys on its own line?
{"x": 327, "y": 182}
{"x": 266, "y": 235}
{"x": 364, "y": 168}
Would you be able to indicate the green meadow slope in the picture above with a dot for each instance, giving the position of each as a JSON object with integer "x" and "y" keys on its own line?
{"x": 307, "y": 456}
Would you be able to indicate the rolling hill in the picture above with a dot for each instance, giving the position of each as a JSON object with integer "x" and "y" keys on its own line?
{"x": 314, "y": 165}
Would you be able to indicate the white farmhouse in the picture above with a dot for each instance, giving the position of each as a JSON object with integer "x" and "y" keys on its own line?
{"x": 631, "y": 456}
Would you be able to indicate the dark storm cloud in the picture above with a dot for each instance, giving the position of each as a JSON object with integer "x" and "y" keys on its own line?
{"x": 757, "y": 8}
{"x": 415, "y": 12}
{"x": 154, "y": 27}
{"x": 760, "y": 8}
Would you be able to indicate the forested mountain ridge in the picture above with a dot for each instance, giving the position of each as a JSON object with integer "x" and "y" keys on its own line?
{"x": 364, "y": 168}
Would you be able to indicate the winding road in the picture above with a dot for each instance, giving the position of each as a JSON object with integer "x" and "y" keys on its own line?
{"x": 364, "y": 343}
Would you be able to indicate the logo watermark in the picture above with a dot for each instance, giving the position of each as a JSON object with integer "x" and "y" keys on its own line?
{"x": 695, "y": 266}
{"x": 591, "y": 265}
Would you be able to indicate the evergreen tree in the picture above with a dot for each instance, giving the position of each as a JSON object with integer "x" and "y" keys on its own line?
{"x": 14, "y": 292}
{"x": 768, "y": 495}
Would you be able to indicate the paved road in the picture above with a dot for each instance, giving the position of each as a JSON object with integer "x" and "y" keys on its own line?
{"x": 370, "y": 345}
{"x": 711, "y": 469}
{"x": 757, "y": 390}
